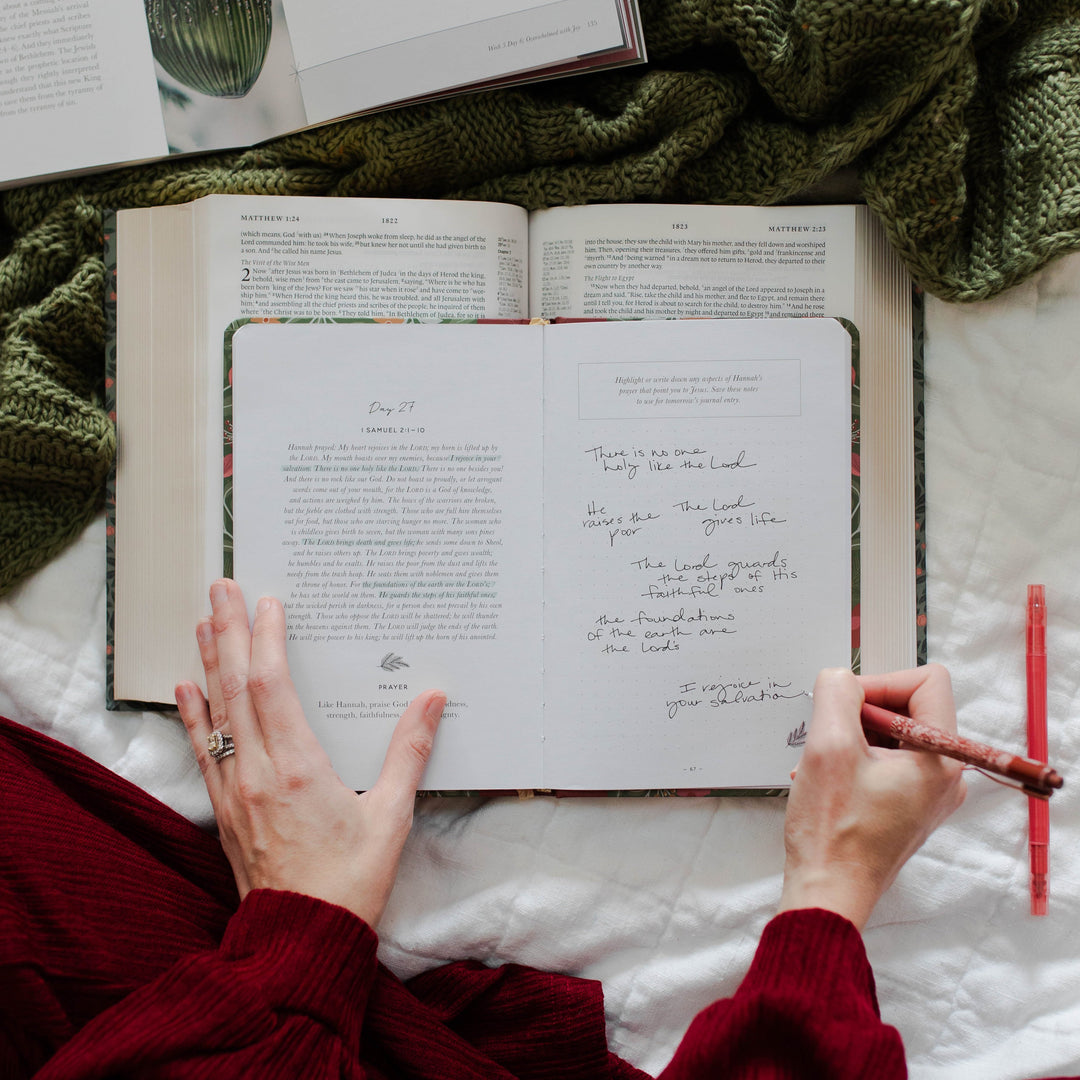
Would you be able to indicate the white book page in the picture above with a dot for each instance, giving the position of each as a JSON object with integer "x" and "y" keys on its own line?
{"x": 387, "y": 489}
{"x": 77, "y": 87}
{"x": 697, "y": 496}
{"x": 341, "y": 258}
{"x": 357, "y": 56}
{"x": 640, "y": 261}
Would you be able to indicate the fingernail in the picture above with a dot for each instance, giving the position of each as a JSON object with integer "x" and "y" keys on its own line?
{"x": 262, "y": 605}
{"x": 218, "y": 594}
{"x": 436, "y": 706}
{"x": 204, "y": 631}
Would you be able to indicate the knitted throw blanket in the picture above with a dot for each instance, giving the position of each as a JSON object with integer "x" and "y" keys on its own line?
{"x": 961, "y": 119}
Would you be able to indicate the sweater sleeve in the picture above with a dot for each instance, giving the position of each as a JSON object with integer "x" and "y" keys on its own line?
{"x": 807, "y": 1008}
{"x": 283, "y": 996}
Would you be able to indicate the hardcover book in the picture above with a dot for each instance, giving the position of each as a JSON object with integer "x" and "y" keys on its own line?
{"x": 564, "y": 526}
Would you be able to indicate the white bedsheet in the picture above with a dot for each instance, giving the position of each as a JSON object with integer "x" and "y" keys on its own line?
{"x": 664, "y": 900}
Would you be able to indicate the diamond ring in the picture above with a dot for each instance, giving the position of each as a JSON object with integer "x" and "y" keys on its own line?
{"x": 220, "y": 745}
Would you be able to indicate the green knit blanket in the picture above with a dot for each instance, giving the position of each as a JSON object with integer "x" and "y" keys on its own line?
{"x": 960, "y": 119}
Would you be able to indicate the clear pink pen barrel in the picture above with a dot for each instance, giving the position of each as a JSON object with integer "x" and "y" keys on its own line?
{"x": 1038, "y": 809}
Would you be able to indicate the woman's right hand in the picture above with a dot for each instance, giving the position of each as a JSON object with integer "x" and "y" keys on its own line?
{"x": 857, "y": 813}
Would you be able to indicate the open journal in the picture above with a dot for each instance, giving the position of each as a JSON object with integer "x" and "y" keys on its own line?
{"x": 87, "y": 85}
{"x": 185, "y": 273}
{"x": 623, "y": 549}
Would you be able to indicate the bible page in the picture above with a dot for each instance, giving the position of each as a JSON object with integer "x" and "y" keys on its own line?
{"x": 698, "y": 547}
{"x": 638, "y": 261}
{"x": 386, "y": 487}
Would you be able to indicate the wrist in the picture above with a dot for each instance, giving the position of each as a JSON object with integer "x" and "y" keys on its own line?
{"x": 830, "y": 890}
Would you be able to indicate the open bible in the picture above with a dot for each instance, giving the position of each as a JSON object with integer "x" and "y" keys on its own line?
{"x": 612, "y": 439}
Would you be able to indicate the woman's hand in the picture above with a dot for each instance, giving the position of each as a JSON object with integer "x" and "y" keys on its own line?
{"x": 285, "y": 819}
{"x": 857, "y": 812}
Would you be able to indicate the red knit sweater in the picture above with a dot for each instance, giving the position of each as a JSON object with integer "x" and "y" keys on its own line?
{"x": 123, "y": 952}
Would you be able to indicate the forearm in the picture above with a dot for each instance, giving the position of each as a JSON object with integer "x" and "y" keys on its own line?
{"x": 807, "y": 1007}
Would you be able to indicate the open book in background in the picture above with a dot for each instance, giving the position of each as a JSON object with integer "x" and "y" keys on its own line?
{"x": 88, "y": 86}
{"x": 185, "y": 273}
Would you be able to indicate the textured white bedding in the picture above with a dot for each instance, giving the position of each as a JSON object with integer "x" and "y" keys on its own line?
{"x": 664, "y": 900}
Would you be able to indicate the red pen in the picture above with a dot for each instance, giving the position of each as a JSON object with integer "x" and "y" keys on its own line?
{"x": 1038, "y": 809}
{"x": 1034, "y": 777}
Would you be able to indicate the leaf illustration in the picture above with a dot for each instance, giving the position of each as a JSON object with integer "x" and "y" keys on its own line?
{"x": 390, "y": 662}
{"x": 798, "y": 736}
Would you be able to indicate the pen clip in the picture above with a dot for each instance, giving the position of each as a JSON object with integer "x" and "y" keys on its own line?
{"x": 1034, "y": 792}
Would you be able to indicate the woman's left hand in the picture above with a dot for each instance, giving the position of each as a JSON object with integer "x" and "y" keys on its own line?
{"x": 285, "y": 819}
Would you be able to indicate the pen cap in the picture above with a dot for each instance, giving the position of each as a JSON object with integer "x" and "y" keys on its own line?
{"x": 1036, "y": 620}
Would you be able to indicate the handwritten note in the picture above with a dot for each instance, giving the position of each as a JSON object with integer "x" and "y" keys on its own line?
{"x": 697, "y": 540}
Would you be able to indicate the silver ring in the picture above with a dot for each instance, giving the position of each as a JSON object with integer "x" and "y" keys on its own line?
{"x": 220, "y": 745}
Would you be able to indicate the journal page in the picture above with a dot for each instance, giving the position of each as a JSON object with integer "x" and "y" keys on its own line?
{"x": 698, "y": 547}
{"x": 386, "y": 487}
